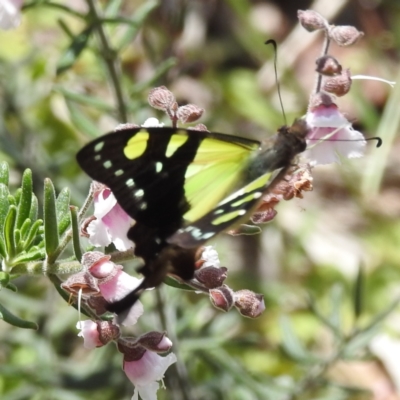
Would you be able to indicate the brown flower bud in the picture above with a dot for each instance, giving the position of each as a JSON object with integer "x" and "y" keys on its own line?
{"x": 131, "y": 351}
{"x": 311, "y": 20}
{"x": 262, "y": 217}
{"x": 248, "y": 303}
{"x": 107, "y": 331}
{"x": 82, "y": 281}
{"x": 328, "y": 66}
{"x": 338, "y": 85}
{"x": 91, "y": 258}
{"x": 320, "y": 99}
{"x": 222, "y": 298}
{"x": 124, "y": 127}
{"x": 154, "y": 341}
{"x": 199, "y": 127}
{"x": 345, "y": 35}
{"x": 211, "y": 277}
{"x": 98, "y": 304}
{"x": 161, "y": 98}
{"x": 189, "y": 113}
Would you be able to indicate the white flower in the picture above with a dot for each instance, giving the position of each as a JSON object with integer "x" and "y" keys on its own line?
{"x": 331, "y": 136}
{"x": 146, "y": 372}
{"x": 90, "y": 334}
{"x": 210, "y": 257}
{"x": 10, "y": 13}
{"x": 111, "y": 224}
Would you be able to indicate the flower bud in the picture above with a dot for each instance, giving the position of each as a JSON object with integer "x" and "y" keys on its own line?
{"x": 211, "y": 277}
{"x": 90, "y": 258}
{"x": 107, "y": 331}
{"x": 124, "y": 127}
{"x": 97, "y": 333}
{"x": 320, "y": 99}
{"x": 328, "y": 66}
{"x": 161, "y": 98}
{"x": 311, "y": 20}
{"x": 132, "y": 352}
{"x": 345, "y": 35}
{"x": 222, "y": 298}
{"x": 82, "y": 281}
{"x": 98, "y": 304}
{"x": 189, "y": 113}
{"x": 248, "y": 303}
{"x": 338, "y": 85}
{"x": 157, "y": 342}
{"x": 199, "y": 127}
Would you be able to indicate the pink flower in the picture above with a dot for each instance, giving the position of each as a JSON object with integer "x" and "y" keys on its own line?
{"x": 10, "y": 13}
{"x": 115, "y": 284}
{"x": 145, "y": 372}
{"x": 331, "y": 136}
{"x": 89, "y": 333}
{"x": 111, "y": 224}
{"x": 97, "y": 334}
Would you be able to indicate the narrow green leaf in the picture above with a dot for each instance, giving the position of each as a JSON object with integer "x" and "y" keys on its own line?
{"x": 81, "y": 121}
{"x": 33, "y": 233}
{"x": 12, "y": 200}
{"x": 137, "y": 21}
{"x": 112, "y": 8}
{"x": 358, "y": 293}
{"x": 4, "y": 204}
{"x": 25, "y": 228}
{"x": 33, "y": 215}
{"x": 245, "y": 229}
{"x": 25, "y": 201}
{"x": 50, "y": 218}
{"x": 174, "y": 283}
{"x": 9, "y": 228}
{"x": 360, "y": 341}
{"x": 12, "y": 319}
{"x": 336, "y": 297}
{"x": 63, "y": 212}
{"x": 4, "y": 279}
{"x": 74, "y": 50}
{"x": 75, "y": 233}
{"x": 17, "y": 196}
{"x": 4, "y": 173}
{"x": 3, "y": 251}
{"x": 85, "y": 99}
{"x": 17, "y": 239}
{"x": 35, "y": 255}
{"x": 292, "y": 345}
{"x": 12, "y": 287}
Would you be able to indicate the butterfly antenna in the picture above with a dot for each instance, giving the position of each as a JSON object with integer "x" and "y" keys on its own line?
{"x": 274, "y": 45}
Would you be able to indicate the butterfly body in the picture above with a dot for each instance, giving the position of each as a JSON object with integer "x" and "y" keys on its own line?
{"x": 182, "y": 187}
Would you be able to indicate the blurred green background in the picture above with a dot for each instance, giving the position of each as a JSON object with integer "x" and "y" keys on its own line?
{"x": 326, "y": 332}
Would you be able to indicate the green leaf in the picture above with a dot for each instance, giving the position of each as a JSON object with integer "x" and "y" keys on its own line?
{"x": 63, "y": 213}
{"x": 50, "y": 218}
{"x": 4, "y": 205}
{"x": 136, "y": 23}
{"x": 3, "y": 251}
{"x": 4, "y": 173}
{"x": 358, "y": 293}
{"x": 12, "y": 319}
{"x": 33, "y": 232}
{"x": 336, "y": 297}
{"x": 244, "y": 229}
{"x": 85, "y": 99}
{"x": 74, "y": 50}
{"x": 360, "y": 341}
{"x": 75, "y": 233}
{"x": 33, "y": 214}
{"x": 33, "y": 255}
{"x": 9, "y": 228}
{"x": 292, "y": 345}
{"x": 81, "y": 121}
{"x": 4, "y": 279}
{"x": 25, "y": 228}
{"x": 25, "y": 201}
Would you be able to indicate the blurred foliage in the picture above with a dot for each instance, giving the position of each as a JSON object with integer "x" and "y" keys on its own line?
{"x": 328, "y": 265}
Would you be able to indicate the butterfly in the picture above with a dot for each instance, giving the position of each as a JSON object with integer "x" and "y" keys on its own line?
{"x": 182, "y": 187}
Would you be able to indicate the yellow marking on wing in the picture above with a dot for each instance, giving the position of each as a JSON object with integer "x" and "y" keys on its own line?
{"x": 136, "y": 146}
{"x": 176, "y": 141}
{"x": 213, "y": 174}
